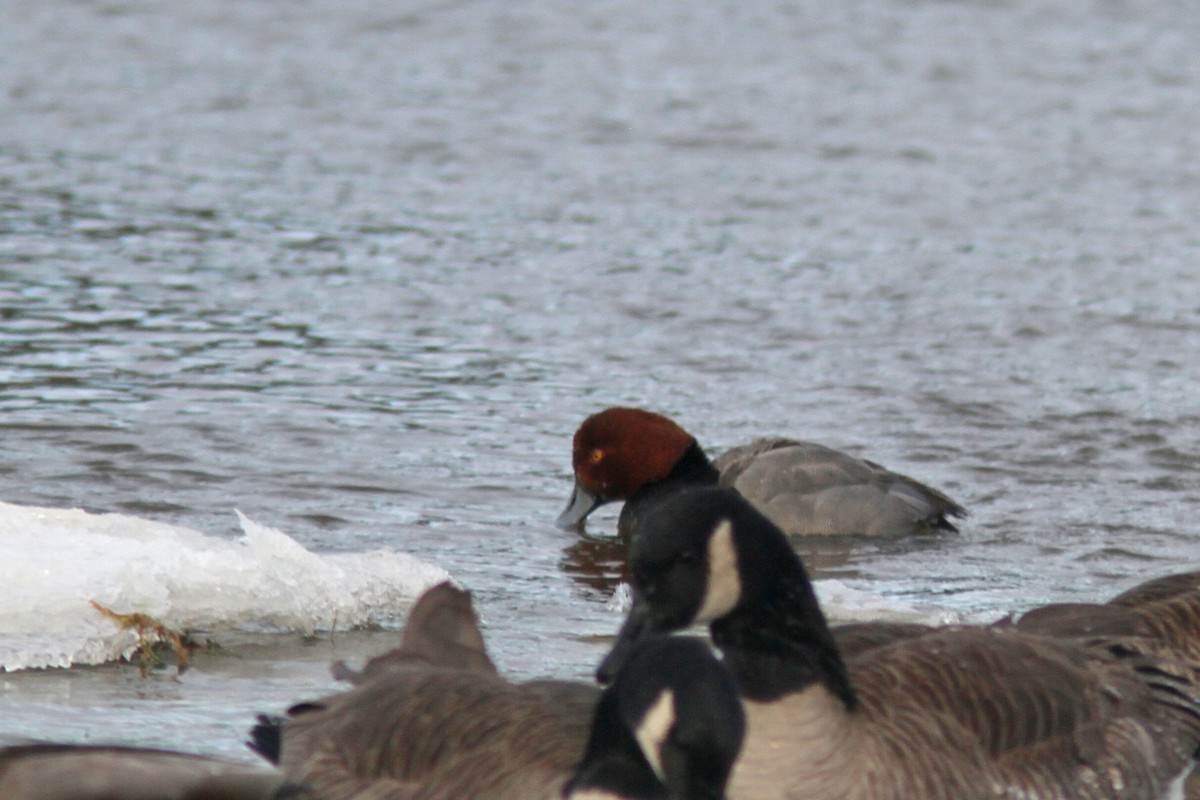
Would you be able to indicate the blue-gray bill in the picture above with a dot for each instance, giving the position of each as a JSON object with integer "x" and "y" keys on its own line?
{"x": 582, "y": 503}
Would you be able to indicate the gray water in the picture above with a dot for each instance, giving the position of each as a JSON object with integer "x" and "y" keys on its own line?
{"x": 360, "y": 268}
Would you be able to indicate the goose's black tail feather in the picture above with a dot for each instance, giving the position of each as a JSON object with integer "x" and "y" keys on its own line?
{"x": 266, "y": 738}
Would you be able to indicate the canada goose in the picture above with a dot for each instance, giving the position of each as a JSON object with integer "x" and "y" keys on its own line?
{"x": 669, "y": 726}
{"x": 87, "y": 772}
{"x": 442, "y": 630}
{"x": 420, "y": 729}
{"x": 806, "y": 489}
{"x": 1163, "y": 613}
{"x": 420, "y": 726}
{"x": 1164, "y": 588}
{"x": 956, "y": 713}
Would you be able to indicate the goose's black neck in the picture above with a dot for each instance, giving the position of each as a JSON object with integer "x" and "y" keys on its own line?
{"x": 779, "y": 642}
{"x": 692, "y": 470}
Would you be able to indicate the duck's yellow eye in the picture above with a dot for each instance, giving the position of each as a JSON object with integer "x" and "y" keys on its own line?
{"x": 596, "y": 455}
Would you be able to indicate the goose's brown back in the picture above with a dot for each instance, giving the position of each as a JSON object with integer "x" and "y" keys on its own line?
{"x": 1156, "y": 589}
{"x": 857, "y": 638}
{"x": 956, "y": 712}
{"x": 1160, "y": 616}
{"x": 440, "y": 733}
{"x": 84, "y": 772}
{"x": 432, "y": 720}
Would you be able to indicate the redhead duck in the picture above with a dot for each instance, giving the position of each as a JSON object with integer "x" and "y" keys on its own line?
{"x": 432, "y": 720}
{"x": 954, "y": 713}
{"x": 806, "y": 489}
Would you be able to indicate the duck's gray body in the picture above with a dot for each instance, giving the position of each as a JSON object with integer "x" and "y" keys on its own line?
{"x": 808, "y": 489}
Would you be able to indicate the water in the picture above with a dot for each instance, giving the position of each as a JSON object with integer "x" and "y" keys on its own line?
{"x": 359, "y": 269}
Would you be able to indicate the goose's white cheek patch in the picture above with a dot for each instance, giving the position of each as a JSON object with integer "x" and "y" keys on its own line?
{"x": 654, "y": 728}
{"x": 593, "y": 794}
{"x": 724, "y": 585}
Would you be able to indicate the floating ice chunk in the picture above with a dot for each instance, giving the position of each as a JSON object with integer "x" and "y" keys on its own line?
{"x": 843, "y": 603}
{"x": 53, "y": 561}
{"x": 622, "y": 598}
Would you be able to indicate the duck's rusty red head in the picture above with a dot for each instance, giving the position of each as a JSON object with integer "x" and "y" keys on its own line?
{"x": 617, "y": 452}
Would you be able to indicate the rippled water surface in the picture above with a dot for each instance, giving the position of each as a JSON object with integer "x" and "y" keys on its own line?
{"x": 359, "y": 269}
